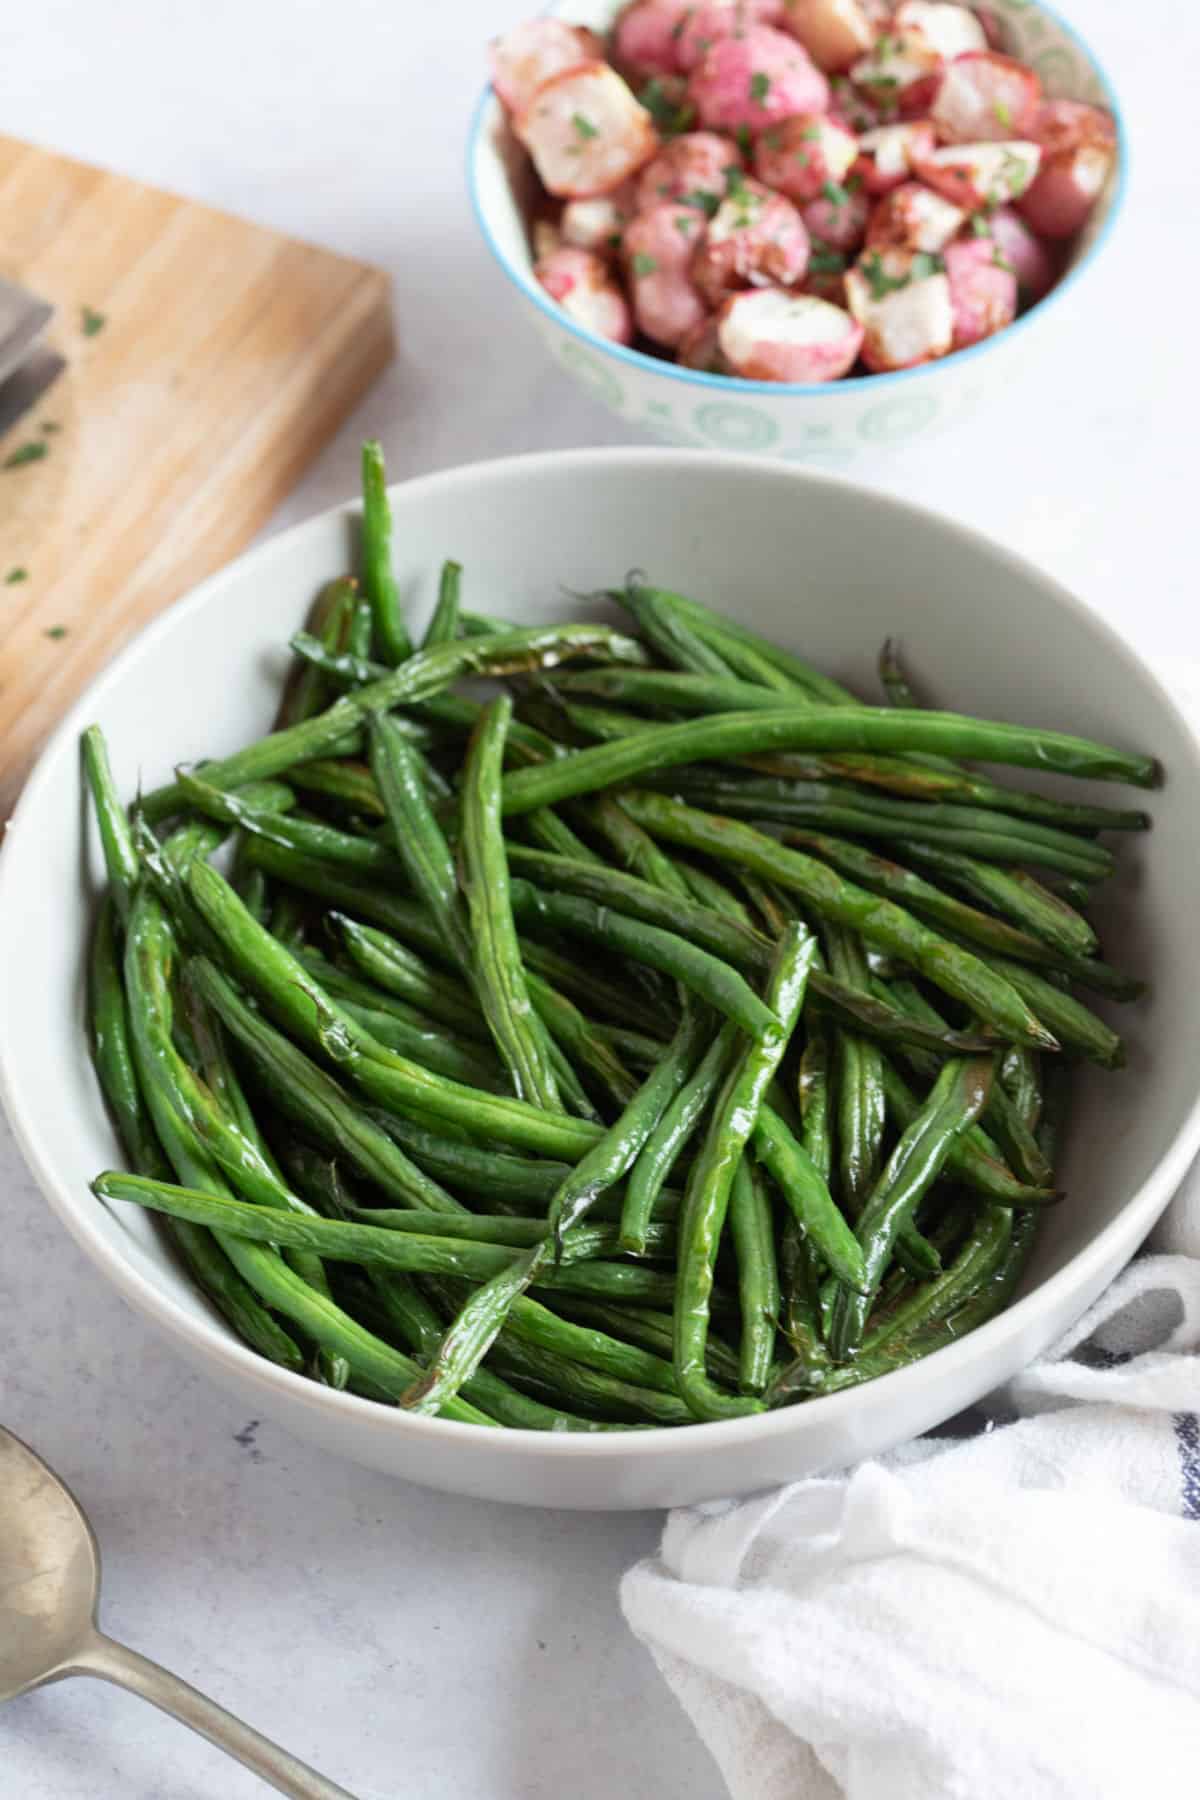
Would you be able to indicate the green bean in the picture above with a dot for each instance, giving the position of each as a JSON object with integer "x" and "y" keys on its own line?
{"x": 639, "y": 1050}
{"x": 670, "y": 634}
{"x": 299, "y": 1002}
{"x": 881, "y": 923}
{"x": 801, "y": 1311}
{"x": 1020, "y": 1073}
{"x": 443, "y": 626}
{"x": 597, "y": 1349}
{"x": 752, "y": 1229}
{"x": 252, "y": 891}
{"x": 263, "y": 1269}
{"x": 423, "y": 850}
{"x": 821, "y": 728}
{"x": 120, "y": 857}
{"x": 799, "y": 673}
{"x": 1018, "y": 1146}
{"x": 113, "y": 1056}
{"x": 806, "y": 1191}
{"x": 861, "y": 1110}
{"x": 408, "y": 1251}
{"x": 350, "y": 783}
{"x": 471, "y": 1334}
{"x": 636, "y": 849}
{"x": 1017, "y": 896}
{"x": 608, "y": 1161}
{"x": 710, "y": 892}
{"x": 995, "y": 836}
{"x": 401, "y": 973}
{"x": 709, "y": 979}
{"x": 581, "y": 1041}
{"x": 1076, "y": 1027}
{"x": 378, "y": 575}
{"x": 329, "y": 619}
{"x": 306, "y": 836}
{"x": 929, "y": 1308}
{"x": 652, "y": 1331}
{"x": 315, "y": 1102}
{"x": 956, "y": 1100}
{"x": 555, "y": 1376}
{"x": 968, "y": 1162}
{"x": 665, "y": 1143}
{"x": 545, "y": 827}
{"x": 499, "y": 973}
{"x": 431, "y": 1048}
{"x": 732, "y": 1121}
{"x": 422, "y": 676}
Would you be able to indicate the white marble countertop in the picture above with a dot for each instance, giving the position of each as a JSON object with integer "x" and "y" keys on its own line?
{"x": 410, "y": 1643}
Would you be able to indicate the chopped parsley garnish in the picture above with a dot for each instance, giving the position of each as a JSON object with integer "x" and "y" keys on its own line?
{"x": 735, "y": 182}
{"x": 1014, "y": 174}
{"x": 773, "y": 138}
{"x": 802, "y": 158}
{"x": 836, "y": 195}
{"x": 882, "y": 284}
{"x": 55, "y": 631}
{"x": 25, "y": 453}
{"x": 827, "y": 262}
{"x": 760, "y": 87}
{"x": 91, "y": 321}
{"x": 584, "y": 126}
{"x": 15, "y": 575}
{"x": 702, "y": 200}
{"x": 683, "y": 224}
{"x": 1003, "y": 112}
{"x": 811, "y": 134}
{"x": 854, "y": 184}
{"x": 643, "y": 264}
{"x": 981, "y": 225}
{"x": 1000, "y": 261}
{"x": 885, "y": 47}
{"x": 669, "y": 116}
{"x": 743, "y": 139}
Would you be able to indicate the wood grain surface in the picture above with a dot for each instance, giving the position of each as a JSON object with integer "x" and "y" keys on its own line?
{"x": 227, "y": 356}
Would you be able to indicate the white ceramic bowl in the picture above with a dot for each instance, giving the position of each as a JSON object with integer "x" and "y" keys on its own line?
{"x": 828, "y": 569}
{"x": 826, "y": 425}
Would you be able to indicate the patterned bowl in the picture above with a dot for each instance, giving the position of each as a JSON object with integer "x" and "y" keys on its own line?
{"x": 828, "y": 425}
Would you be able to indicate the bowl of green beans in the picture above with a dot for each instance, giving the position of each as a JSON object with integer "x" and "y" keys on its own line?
{"x": 610, "y": 979}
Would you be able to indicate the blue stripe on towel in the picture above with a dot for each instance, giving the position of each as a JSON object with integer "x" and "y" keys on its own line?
{"x": 1187, "y": 1436}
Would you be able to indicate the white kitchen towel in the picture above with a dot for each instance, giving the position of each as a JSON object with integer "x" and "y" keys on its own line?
{"x": 1009, "y": 1616}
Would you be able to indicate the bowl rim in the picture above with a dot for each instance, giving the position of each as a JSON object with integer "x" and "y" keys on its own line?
{"x": 488, "y": 106}
{"x": 210, "y": 1341}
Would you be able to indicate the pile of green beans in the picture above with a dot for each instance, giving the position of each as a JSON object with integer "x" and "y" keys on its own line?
{"x": 582, "y": 1058}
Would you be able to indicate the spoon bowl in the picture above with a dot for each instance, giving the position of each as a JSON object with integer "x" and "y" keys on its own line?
{"x": 49, "y": 1595}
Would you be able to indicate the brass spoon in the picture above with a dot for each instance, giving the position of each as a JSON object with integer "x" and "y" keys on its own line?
{"x": 49, "y": 1594}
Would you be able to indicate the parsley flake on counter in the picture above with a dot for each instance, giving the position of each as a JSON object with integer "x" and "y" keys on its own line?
{"x": 55, "y": 631}
{"x": 15, "y": 575}
{"x": 91, "y": 322}
{"x": 25, "y": 453}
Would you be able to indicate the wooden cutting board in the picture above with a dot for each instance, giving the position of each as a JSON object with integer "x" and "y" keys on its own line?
{"x": 227, "y": 356}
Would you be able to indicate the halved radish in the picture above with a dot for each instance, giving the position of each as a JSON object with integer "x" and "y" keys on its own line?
{"x": 657, "y": 248}
{"x": 692, "y": 168}
{"x": 804, "y": 155}
{"x": 950, "y": 30}
{"x": 774, "y": 335}
{"x": 913, "y": 217}
{"x": 983, "y": 289}
{"x": 901, "y": 298}
{"x": 585, "y": 132}
{"x": 597, "y": 224}
{"x": 756, "y": 239}
{"x": 984, "y": 96}
{"x": 900, "y": 73}
{"x": 1033, "y": 262}
{"x": 834, "y": 32}
{"x": 977, "y": 175}
{"x": 755, "y": 79}
{"x": 889, "y": 154}
{"x": 535, "y": 52}
{"x": 839, "y": 216}
{"x": 583, "y": 286}
{"x": 700, "y": 349}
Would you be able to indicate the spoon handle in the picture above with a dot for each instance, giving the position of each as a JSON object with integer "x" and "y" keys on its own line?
{"x": 110, "y": 1661}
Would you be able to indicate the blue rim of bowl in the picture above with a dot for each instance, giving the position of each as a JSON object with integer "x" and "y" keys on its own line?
{"x": 733, "y": 384}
